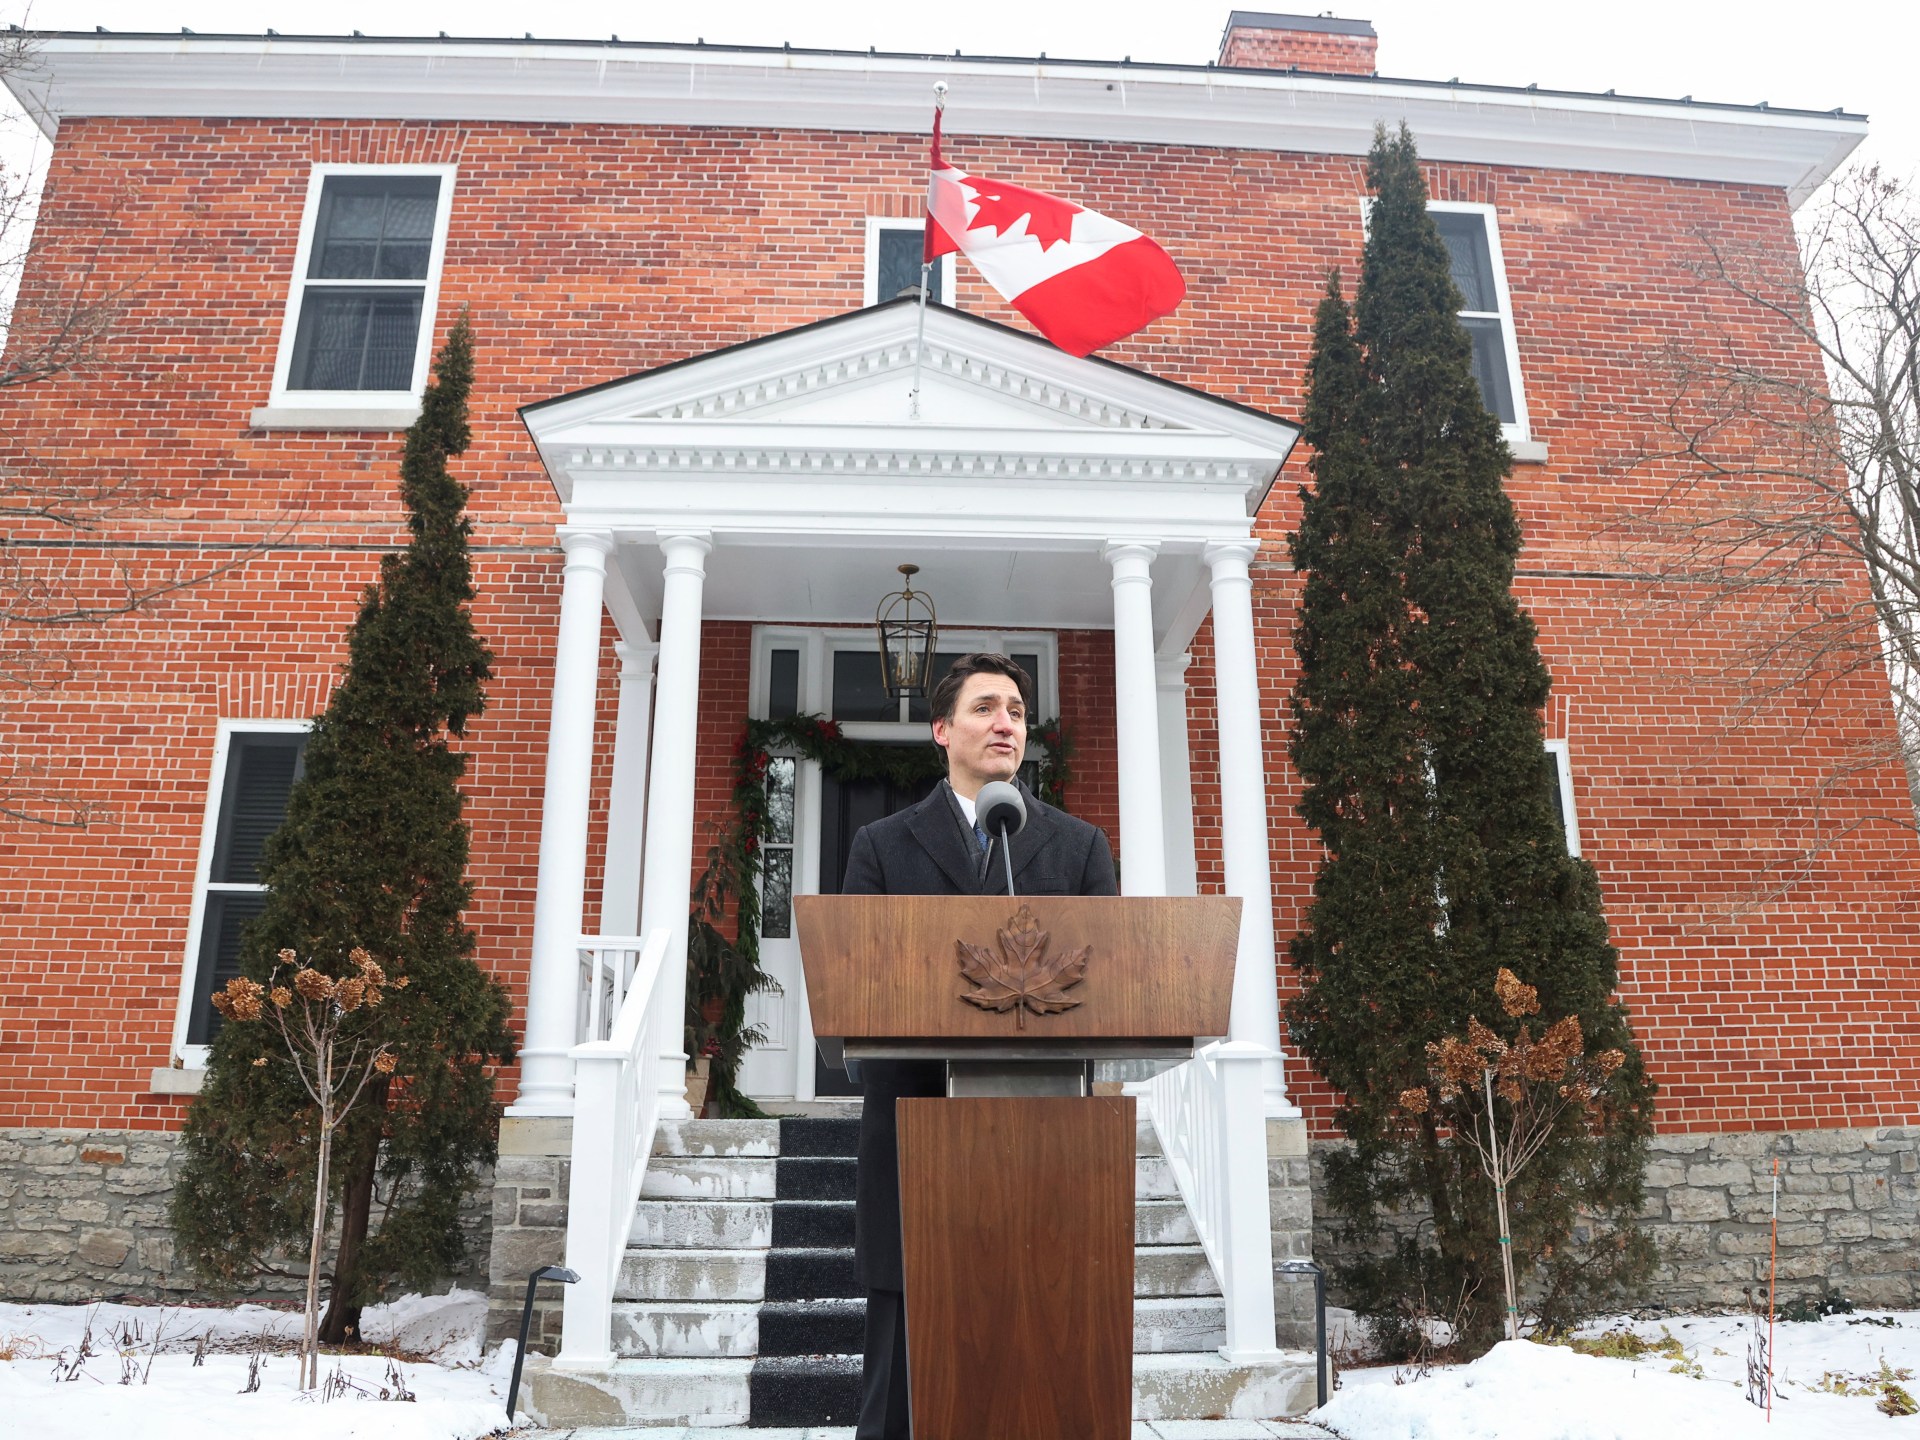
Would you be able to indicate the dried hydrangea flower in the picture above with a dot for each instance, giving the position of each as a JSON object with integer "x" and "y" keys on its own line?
{"x": 1515, "y": 998}
{"x": 312, "y": 985}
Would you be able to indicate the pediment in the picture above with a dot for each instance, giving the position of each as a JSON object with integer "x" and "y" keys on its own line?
{"x": 841, "y": 393}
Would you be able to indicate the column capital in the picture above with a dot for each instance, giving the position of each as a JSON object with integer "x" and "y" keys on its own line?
{"x": 636, "y": 657}
{"x": 1226, "y": 554}
{"x": 701, "y": 540}
{"x": 591, "y": 546}
{"x": 1171, "y": 670}
{"x": 1118, "y": 552}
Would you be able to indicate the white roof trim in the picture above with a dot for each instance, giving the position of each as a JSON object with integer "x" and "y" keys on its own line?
{"x": 1000, "y": 407}
{"x": 112, "y": 75}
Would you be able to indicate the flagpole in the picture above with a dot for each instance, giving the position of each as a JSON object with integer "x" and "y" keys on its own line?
{"x": 926, "y": 273}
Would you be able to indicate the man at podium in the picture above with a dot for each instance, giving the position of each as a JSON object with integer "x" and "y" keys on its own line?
{"x": 980, "y": 711}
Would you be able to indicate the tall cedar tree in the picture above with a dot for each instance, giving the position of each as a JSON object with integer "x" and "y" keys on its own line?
{"x": 373, "y": 853}
{"x": 1418, "y": 735}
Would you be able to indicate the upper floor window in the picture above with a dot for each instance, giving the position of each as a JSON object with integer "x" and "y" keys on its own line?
{"x": 1472, "y": 236}
{"x": 360, "y": 316}
{"x": 894, "y": 248}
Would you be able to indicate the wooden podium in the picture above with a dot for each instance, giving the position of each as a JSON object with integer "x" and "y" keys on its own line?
{"x": 1016, "y": 1218}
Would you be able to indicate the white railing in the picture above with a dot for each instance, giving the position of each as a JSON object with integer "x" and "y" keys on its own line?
{"x": 616, "y": 1107}
{"x": 1210, "y": 1116}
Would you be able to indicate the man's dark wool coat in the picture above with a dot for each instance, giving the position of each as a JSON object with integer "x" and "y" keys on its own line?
{"x": 925, "y": 850}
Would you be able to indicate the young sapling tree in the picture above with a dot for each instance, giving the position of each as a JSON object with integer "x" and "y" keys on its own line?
{"x": 1543, "y": 1082}
{"x": 323, "y": 1026}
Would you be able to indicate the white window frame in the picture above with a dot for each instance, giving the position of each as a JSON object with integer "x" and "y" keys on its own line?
{"x": 282, "y": 398}
{"x": 1519, "y": 432}
{"x": 870, "y": 278}
{"x": 194, "y": 1057}
{"x": 1563, "y": 762}
{"x": 819, "y": 644}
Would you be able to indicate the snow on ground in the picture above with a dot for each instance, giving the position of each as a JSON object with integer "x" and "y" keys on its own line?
{"x": 1828, "y": 1376}
{"x": 166, "y": 1396}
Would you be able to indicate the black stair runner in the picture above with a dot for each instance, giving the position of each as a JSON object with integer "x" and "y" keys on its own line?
{"x": 808, "y": 1370}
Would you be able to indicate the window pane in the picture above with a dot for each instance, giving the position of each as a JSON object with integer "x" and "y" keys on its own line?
{"x": 943, "y": 661}
{"x": 374, "y": 227}
{"x": 900, "y": 252}
{"x": 780, "y": 770}
{"x": 1031, "y": 664}
{"x": 783, "y": 684}
{"x": 261, "y": 770}
{"x": 356, "y": 340}
{"x": 1559, "y": 802}
{"x": 226, "y": 916}
{"x": 1490, "y": 367}
{"x": 1466, "y": 237}
{"x": 857, "y": 691}
{"x": 776, "y": 895}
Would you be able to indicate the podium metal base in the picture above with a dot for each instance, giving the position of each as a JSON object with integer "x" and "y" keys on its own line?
{"x": 1003, "y": 1079}
{"x": 1017, "y": 1230}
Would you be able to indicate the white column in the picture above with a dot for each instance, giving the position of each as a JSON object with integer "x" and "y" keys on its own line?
{"x": 668, "y": 875}
{"x": 1176, "y": 773}
{"x": 1243, "y": 809}
{"x": 627, "y": 802}
{"x": 553, "y": 979}
{"x": 1143, "y": 855}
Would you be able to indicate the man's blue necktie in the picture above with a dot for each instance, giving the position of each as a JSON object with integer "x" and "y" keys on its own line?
{"x": 985, "y": 845}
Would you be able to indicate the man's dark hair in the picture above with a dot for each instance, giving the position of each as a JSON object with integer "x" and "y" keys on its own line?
{"x": 946, "y": 694}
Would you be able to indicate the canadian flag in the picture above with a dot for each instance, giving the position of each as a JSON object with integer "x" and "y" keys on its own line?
{"x": 1083, "y": 280}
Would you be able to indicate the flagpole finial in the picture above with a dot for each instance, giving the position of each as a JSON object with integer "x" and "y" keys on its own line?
{"x": 939, "y": 94}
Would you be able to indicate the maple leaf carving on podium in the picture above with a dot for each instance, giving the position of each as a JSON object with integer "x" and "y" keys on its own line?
{"x": 1022, "y": 977}
{"x": 1002, "y": 206}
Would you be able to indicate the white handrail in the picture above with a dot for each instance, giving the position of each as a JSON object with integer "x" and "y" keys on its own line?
{"x": 616, "y": 1108}
{"x": 1210, "y": 1116}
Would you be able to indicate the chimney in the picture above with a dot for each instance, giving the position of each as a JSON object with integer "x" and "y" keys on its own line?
{"x": 1259, "y": 41}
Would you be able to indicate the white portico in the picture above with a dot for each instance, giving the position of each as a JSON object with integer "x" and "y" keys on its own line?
{"x": 780, "y": 481}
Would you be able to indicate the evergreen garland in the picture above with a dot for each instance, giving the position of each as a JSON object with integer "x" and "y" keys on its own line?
{"x": 373, "y": 853}
{"x": 1418, "y": 736}
{"x": 728, "y": 969}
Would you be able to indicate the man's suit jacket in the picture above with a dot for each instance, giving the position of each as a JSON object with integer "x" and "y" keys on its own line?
{"x": 925, "y": 851}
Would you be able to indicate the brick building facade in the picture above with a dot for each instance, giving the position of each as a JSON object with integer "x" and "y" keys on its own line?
{"x": 1764, "y": 908}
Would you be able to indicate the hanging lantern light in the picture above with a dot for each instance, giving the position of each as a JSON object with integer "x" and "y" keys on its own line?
{"x": 905, "y": 622}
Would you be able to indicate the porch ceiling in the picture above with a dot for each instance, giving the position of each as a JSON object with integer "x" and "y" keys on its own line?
{"x": 804, "y": 458}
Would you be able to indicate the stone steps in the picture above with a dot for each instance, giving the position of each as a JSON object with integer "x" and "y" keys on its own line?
{"x": 702, "y": 1391}
{"x": 738, "y": 1296}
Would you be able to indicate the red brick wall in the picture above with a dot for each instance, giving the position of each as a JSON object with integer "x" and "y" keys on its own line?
{"x": 1256, "y": 47}
{"x": 589, "y": 252}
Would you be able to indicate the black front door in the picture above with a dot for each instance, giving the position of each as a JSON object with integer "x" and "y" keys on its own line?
{"x": 844, "y": 808}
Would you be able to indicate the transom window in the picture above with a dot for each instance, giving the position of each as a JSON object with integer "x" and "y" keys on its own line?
{"x": 360, "y": 318}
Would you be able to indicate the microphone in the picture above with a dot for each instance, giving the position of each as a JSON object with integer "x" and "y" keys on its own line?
{"x": 1002, "y": 811}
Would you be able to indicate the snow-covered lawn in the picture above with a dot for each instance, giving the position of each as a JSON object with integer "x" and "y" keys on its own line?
{"x": 1828, "y": 1376}
{"x": 1828, "y": 1379}
{"x": 141, "y": 1377}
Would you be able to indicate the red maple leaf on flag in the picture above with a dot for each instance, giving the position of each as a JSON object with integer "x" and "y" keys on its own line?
{"x": 1002, "y": 206}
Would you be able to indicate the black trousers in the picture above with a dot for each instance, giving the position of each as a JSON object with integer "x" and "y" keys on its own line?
{"x": 883, "y": 1369}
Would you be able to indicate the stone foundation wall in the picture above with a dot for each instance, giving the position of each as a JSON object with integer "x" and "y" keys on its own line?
{"x": 83, "y": 1215}
{"x": 529, "y": 1227}
{"x": 1290, "y": 1211}
{"x": 1849, "y": 1215}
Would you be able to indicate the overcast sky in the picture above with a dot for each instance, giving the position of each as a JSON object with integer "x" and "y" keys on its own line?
{"x": 1861, "y": 54}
